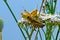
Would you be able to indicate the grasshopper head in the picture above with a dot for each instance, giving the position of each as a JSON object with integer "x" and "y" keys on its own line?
{"x": 25, "y": 15}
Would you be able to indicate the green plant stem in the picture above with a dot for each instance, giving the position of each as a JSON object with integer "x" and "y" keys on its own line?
{"x": 40, "y": 34}
{"x": 36, "y": 35}
{"x": 14, "y": 17}
{"x": 57, "y": 35}
{"x": 52, "y": 34}
{"x": 0, "y": 35}
{"x": 26, "y": 30}
{"x": 57, "y": 32}
{"x": 48, "y": 32}
{"x": 1, "y": 25}
{"x": 53, "y": 37}
{"x": 51, "y": 6}
{"x": 31, "y": 33}
{"x": 27, "y": 33}
{"x": 55, "y": 5}
{"x": 41, "y": 6}
{"x": 11, "y": 12}
{"x": 44, "y": 32}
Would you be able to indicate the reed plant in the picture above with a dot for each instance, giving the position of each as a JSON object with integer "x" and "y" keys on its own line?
{"x": 49, "y": 7}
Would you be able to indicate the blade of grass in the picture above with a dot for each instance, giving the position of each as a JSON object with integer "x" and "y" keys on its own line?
{"x": 14, "y": 17}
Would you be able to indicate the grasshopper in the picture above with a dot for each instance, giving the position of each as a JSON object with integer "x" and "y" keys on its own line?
{"x": 33, "y": 18}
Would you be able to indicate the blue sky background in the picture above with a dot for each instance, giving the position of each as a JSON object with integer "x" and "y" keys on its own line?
{"x": 11, "y": 30}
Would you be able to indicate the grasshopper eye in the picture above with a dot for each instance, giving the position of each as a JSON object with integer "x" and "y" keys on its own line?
{"x": 28, "y": 17}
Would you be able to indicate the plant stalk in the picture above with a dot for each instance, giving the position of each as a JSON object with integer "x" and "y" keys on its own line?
{"x": 0, "y": 35}
{"x": 14, "y": 17}
{"x": 40, "y": 34}
{"x": 57, "y": 35}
